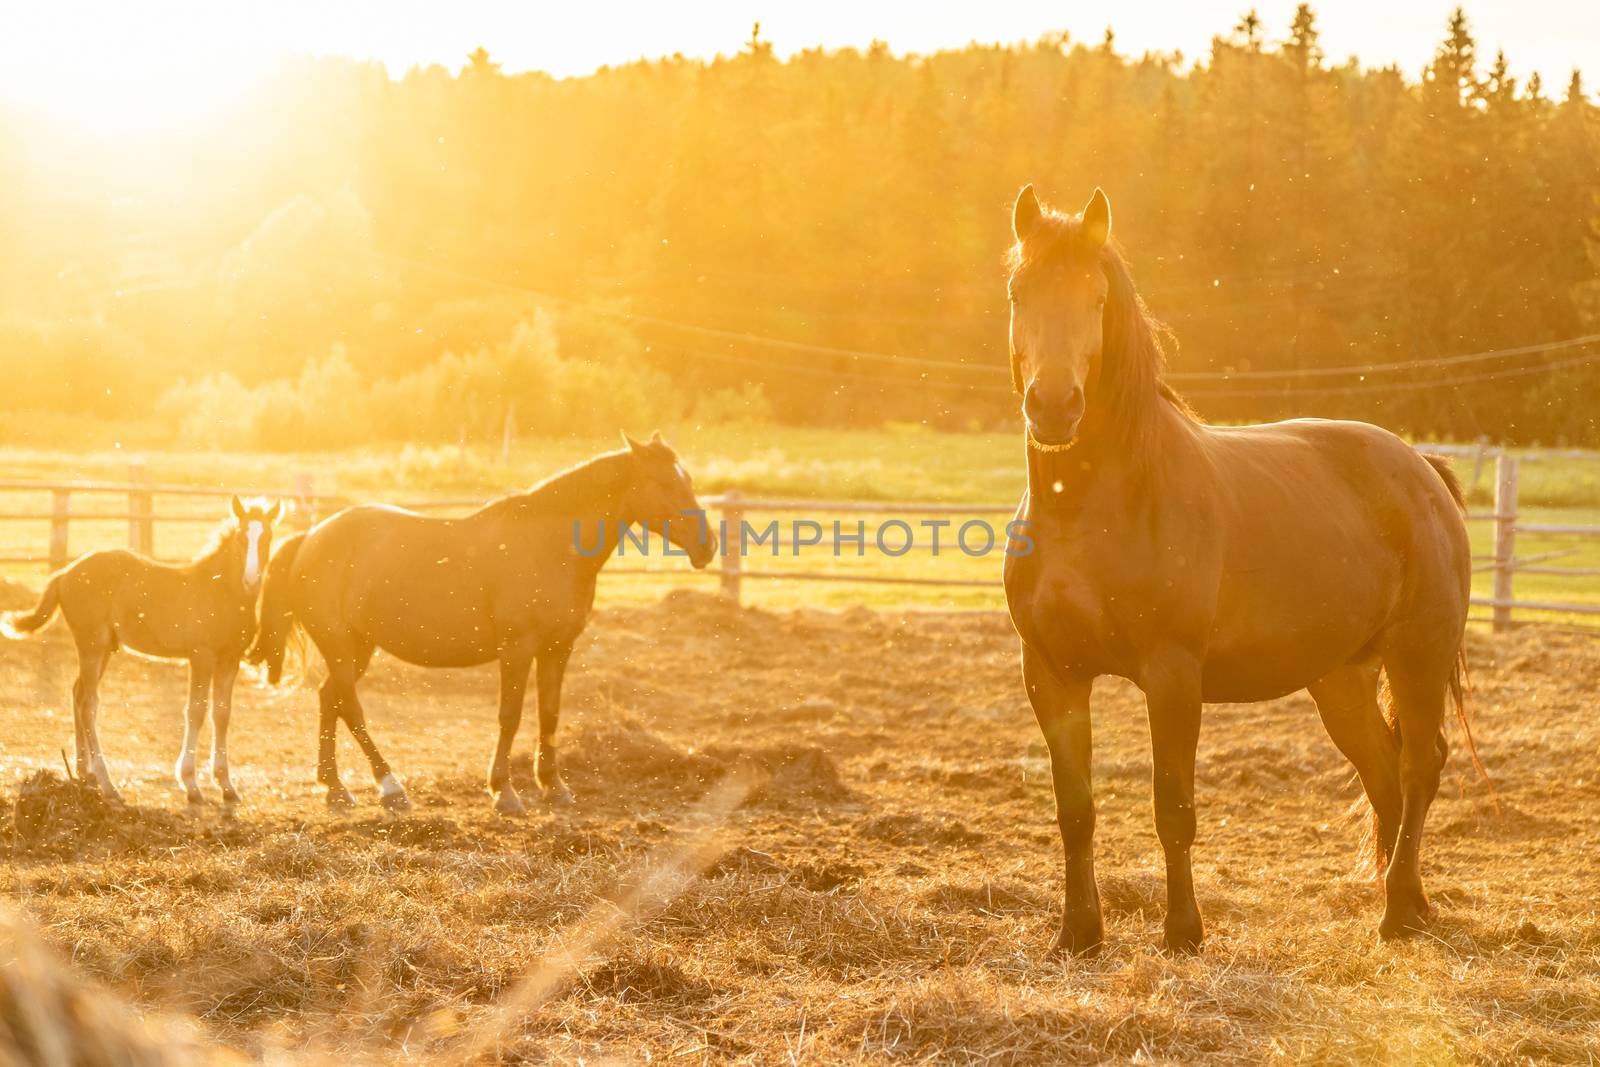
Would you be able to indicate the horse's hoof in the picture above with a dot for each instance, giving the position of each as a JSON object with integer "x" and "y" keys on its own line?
{"x": 1182, "y": 940}
{"x": 395, "y": 803}
{"x": 561, "y": 797}
{"x": 194, "y": 797}
{"x": 1085, "y": 944}
{"x": 1401, "y": 927}
{"x": 229, "y": 797}
{"x": 508, "y": 803}
{"x": 340, "y": 799}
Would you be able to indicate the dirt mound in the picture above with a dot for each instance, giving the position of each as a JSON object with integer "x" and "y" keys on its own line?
{"x": 792, "y": 772}
{"x": 52, "y": 810}
{"x": 622, "y": 751}
{"x": 53, "y": 816}
{"x": 910, "y": 828}
{"x": 632, "y": 977}
{"x": 622, "y": 754}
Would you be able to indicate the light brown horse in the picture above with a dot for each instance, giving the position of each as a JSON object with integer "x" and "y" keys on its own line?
{"x": 203, "y": 611}
{"x": 1215, "y": 564}
{"x": 513, "y": 582}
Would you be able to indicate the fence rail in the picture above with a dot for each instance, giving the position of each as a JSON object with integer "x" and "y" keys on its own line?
{"x": 305, "y": 506}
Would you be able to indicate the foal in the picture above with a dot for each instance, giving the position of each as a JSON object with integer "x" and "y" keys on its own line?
{"x": 203, "y": 611}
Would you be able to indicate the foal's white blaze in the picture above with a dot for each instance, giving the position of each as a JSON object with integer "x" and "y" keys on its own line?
{"x": 252, "y": 556}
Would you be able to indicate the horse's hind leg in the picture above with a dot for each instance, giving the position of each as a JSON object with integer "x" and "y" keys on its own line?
{"x": 1419, "y": 679}
{"x": 1347, "y": 700}
{"x": 515, "y": 663}
{"x": 343, "y": 675}
{"x": 327, "y": 745}
{"x": 200, "y": 668}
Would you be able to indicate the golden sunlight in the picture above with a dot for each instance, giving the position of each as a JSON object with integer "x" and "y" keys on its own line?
{"x": 129, "y": 70}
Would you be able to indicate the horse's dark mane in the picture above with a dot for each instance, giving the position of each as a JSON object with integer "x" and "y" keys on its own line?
{"x": 569, "y": 490}
{"x": 1128, "y": 385}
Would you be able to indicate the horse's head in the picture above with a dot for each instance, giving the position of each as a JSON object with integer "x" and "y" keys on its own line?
{"x": 1058, "y": 294}
{"x": 661, "y": 498}
{"x": 250, "y": 542}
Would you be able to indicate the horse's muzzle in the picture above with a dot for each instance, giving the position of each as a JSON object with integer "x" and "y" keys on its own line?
{"x": 1052, "y": 426}
{"x": 701, "y": 553}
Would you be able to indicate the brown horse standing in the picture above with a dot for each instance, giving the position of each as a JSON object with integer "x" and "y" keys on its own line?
{"x": 203, "y": 611}
{"x": 1215, "y": 564}
{"x": 513, "y": 582}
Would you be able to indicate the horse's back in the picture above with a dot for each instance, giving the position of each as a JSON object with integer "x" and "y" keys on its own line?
{"x": 420, "y": 587}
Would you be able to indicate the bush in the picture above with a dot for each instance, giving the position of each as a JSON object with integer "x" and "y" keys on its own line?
{"x": 332, "y": 406}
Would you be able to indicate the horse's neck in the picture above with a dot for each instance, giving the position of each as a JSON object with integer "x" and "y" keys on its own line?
{"x": 1107, "y": 453}
{"x": 595, "y": 490}
{"x": 589, "y": 503}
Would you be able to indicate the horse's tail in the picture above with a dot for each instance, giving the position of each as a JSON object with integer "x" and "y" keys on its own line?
{"x": 19, "y": 624}
{"x": 1446, "y": 469}
{"x": 1375, "y": 853}
{"x": 276, "y": 628}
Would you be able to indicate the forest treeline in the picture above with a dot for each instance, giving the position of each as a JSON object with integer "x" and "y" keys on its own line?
{"x": 351, "y": 256}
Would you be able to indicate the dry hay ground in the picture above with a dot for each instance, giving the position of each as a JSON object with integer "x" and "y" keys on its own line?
{"x": 884, "y": 897}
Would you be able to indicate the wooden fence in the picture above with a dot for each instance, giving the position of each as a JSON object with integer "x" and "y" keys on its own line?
{"x": 305, "y": 506}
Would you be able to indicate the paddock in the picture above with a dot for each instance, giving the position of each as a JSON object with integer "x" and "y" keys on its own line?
{"x": 807, "y": 835}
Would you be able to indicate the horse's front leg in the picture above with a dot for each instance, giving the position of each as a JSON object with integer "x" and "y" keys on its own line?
{"x": 1171, "y": 686}
{"x": 201, "y": 666}
{"x": 221, "y": 710}
{"x": 515, "y": 662}
{"x": 1061, "y": 704}
{"x": 552, "y": 668}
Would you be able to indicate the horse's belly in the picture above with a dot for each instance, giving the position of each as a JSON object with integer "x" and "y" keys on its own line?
{"x": 1269, "y": 662}
{"x": 431, "y": 631}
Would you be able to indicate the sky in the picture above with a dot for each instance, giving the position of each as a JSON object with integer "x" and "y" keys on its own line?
{"x": 113, "y": 64}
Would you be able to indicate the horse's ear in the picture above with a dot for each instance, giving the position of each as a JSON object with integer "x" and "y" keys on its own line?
{"x": 633, "y": 446}
{"x": 1025, "y": 213}
{"x": 1097, "y": 219}
{"x": 655, "y": 438}
{"x": 275, "y": 512}
{"x": 238, "y": 509}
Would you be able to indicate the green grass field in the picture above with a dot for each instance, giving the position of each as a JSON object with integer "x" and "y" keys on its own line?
{"x": 902, "y": 463}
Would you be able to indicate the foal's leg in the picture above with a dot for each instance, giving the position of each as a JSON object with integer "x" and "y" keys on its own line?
{"x": 1419, "y": 684}
{"x": 92, "y": 659}
{"x": 345, "y": 673}
{"x": 200, "y": 669}
{"x": 1061, "y": 704}
{"x": 221, "y": 710}
{"x": 93, "y": 656}
{"x": 1171, "y": 684}
{"x": 515, "y": 663}
{"x": 1347, "y": 700}
{"x": 552, "y": 668}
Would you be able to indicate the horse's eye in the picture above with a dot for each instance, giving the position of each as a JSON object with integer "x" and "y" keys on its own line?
{"x": 1100, "y": 303}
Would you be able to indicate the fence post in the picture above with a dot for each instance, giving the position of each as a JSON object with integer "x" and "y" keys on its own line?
{"x": 141, "y": 512}
{"x": 732, "y": 564}
{"x": 60, "y": 512}
{"x": 1505, "y": 539}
